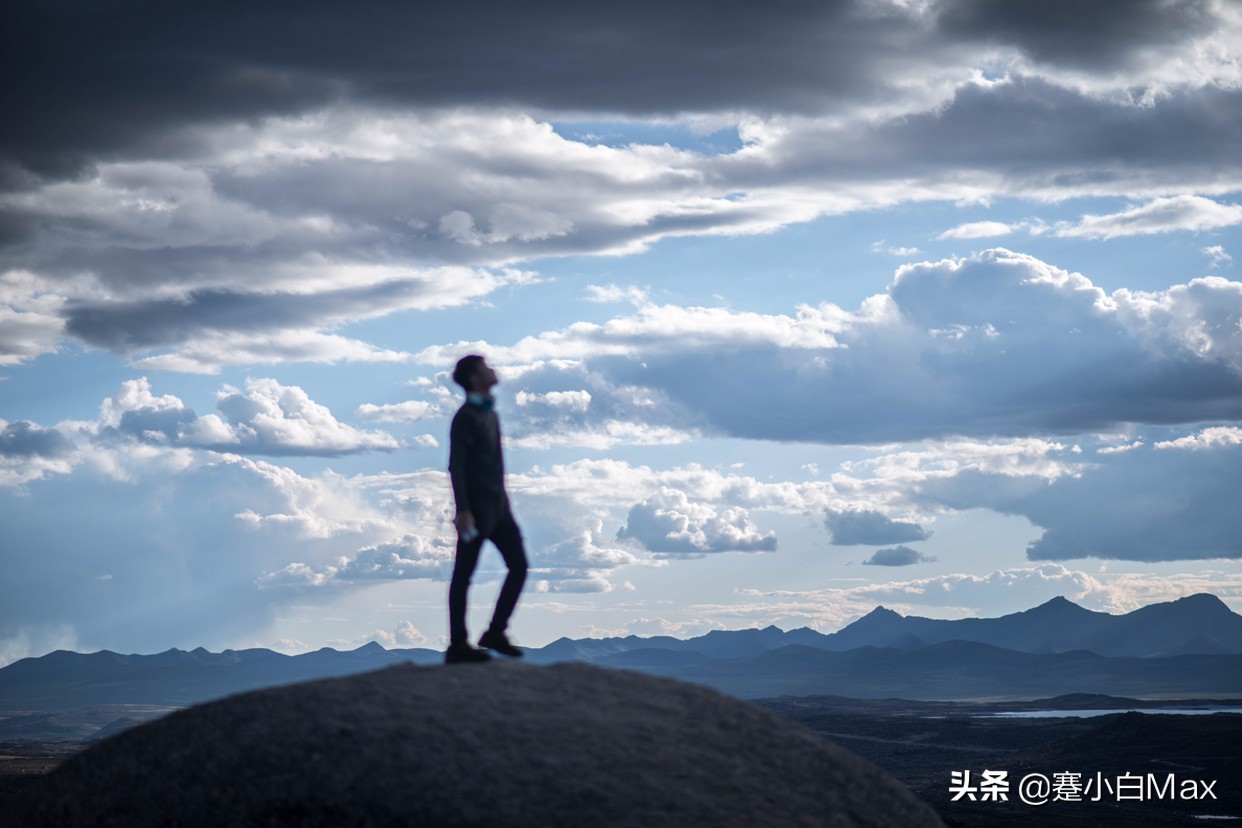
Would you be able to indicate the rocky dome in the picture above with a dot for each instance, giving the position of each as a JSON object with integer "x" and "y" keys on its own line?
{"x": 500, "y": 744}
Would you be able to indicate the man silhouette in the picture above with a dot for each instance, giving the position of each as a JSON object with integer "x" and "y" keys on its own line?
{"x": 477, "y": 471}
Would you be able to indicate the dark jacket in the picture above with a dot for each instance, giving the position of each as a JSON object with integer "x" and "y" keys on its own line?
{"x": 476, "y": 464}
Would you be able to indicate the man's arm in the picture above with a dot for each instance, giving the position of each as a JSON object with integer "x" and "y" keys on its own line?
{"x": 461, "y": 438}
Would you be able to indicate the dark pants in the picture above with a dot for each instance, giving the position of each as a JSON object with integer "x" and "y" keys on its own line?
{"x": 505, "y": 534}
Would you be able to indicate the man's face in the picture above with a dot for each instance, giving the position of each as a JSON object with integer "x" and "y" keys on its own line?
{"x": 485, "y": 377}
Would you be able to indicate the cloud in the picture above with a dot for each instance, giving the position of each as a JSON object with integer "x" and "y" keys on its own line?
{"x": 669, "y": 523}
{"x": 616, "y": 293}
{"x": 1099, "y": 499}
{"x": 29, "y": 452}
{"x": 1100, "y": 36}
{"x": 404, "y": 635}
{"x": 233, "y": 325}
{"x": 579, "y": 585}
{"x": 267, "y": 419}
{"x": 1218, "y": 256}
{"x": 30, "y": 322}
{"x": 850, "y": 527}
{"x": 191, "y": 536}
{"x": 634, "y": 61}
{"x": 579, "y": 400}
{"x": 898, "y": 556}
{"x": 26, "y": 439}
{"x": 564, "y": 538}
{"x": 1208, "y": 438}
{"x": 1119, "y": 505}
{"x": 997, "y": 344}
{"x": 410, "y": 411}
{"x": 264, "y": 200}
{"x": 408, "y": 558}
{"x": 1161, "y": 215}
{"x": 881, "y": 247}
{"x": 208, "y": 353}
{"x": 977, "y": 230}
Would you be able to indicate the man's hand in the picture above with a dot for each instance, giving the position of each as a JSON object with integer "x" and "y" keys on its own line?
{"x": 465, "y": 526}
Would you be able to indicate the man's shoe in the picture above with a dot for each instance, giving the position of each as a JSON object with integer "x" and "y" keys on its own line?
{"x": 500, "y": 643}
{"x": 462, "y": 653}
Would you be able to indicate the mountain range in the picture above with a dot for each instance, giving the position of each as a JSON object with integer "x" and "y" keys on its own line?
{"x": 1191, "y": 646}
{"x": 1198, "y": 624}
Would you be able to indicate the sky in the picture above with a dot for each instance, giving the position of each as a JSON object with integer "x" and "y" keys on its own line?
{"x": 799, "y": 309}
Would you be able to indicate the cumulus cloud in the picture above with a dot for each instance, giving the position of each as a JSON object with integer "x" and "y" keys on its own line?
{"x": 410, "y": 557}
{"x": 266, "y": 418}
{"x": 670, "y": 523}
{"x": 850, "y": 527}
{"x": 579, "y": 400}
{"x": 997, "y": 344}
{"x": 898, "y": 556}
{"x": 405, "y": 635}
{"x": 1087, "y": 502}
{"x": 1161, "y": 215}
{"x": 1208, "y": 438}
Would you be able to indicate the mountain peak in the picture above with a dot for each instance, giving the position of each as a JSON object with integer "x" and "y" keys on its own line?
{"x": 1204, "y": 600}
{"x": 1060, "y": 602}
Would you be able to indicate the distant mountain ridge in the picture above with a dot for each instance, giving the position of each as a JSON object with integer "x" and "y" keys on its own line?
{"x": 1199, "y": 624}
{"x": 1188, "y": 646}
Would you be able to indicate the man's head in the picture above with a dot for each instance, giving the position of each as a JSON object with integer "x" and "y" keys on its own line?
{"x": 474, "y": 374}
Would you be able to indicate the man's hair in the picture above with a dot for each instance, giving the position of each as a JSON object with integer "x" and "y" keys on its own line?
{"x": 466, "y": 367}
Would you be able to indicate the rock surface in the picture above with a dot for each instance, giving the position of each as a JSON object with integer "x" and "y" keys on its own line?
{"x": 500, "y": 744}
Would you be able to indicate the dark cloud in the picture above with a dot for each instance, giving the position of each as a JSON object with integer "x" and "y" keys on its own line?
{"x": 96, "y": 79}
{"x": 26, "y": 439}
{"x": 898, "y": 556}
{"x": 1035, "y": 134}
{"x": 1097, "y": 35}
{"x": 851, "y": 527}
{"x": 127, "y": 327}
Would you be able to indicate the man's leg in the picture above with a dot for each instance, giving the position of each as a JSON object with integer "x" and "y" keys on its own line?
{"x": 508, "y": 539}
{"x": 463, "y": 569}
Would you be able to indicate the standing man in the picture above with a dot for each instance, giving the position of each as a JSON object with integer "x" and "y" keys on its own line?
{"x": 477, "y": 471}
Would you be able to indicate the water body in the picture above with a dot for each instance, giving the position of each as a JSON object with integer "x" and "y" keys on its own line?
{"x": 1084, "y": 714}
